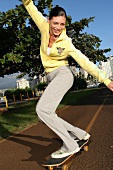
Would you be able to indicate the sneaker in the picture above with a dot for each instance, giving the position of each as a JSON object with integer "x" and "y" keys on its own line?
{"x": 73, "y": 136}
{"x": 86, "y": 137}
{"x": 63, "y": 153}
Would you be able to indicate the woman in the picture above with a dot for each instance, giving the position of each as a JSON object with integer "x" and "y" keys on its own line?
{"x": 56, "y": 46}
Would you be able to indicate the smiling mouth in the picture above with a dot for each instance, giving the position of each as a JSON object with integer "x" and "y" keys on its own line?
{"x": 56, "y": 31}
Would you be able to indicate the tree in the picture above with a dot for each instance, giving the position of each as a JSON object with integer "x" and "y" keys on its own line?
{"x": 89, "y": 44}
{"x": 20, "y": 40}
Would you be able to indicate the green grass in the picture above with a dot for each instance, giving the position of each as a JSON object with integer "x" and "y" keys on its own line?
{"x": 17, "y": 118}
{"x": 22, "y": 115}
{"x": 75, "y": 97}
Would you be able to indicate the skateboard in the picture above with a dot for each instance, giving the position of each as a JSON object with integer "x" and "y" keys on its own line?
{"x": 64, "y": 163}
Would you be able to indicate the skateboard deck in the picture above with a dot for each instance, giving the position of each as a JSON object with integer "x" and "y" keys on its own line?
{"x": 63, "y": 163}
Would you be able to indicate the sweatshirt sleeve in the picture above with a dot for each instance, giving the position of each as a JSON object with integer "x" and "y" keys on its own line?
{"x": 88, "y": 66}
{"x": 37, "y": 16}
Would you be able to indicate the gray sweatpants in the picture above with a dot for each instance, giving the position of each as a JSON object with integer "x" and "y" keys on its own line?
{"x": 60, "y": 81}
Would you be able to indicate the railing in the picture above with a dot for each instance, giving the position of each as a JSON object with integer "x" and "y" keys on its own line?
{"x": 37, "y": 94}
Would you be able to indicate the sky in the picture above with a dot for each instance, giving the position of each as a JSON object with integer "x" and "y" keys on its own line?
{"x": 102, "y": 26}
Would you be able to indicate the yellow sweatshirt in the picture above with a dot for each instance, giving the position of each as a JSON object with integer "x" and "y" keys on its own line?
{"x": 61, "y": 49}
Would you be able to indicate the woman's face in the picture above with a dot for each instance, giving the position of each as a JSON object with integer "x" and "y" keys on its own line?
{"x": 57, "y": 24}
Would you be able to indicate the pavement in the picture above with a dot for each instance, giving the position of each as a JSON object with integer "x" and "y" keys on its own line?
{"x": 28, "y": 149}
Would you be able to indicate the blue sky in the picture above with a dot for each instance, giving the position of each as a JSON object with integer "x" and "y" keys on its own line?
{"x": 102, "y": 26}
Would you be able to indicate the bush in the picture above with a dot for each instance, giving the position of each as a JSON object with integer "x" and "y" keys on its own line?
{"x": 101, "y": 85}
{"x": 9, "y": 94}
{"x": 41, "y": 86}
{"x": 17, "y": 93}
{"x": 82, "y": 84}
{"x": 79, "y": 83}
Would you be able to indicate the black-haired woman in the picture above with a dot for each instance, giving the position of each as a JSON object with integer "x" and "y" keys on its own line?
{"x": 55, "y": 47}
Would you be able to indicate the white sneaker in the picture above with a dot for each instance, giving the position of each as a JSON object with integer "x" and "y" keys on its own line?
{"x": 87, "y": 136}
{"x": 73, "y": 136}
{"x": 63, "y": 153}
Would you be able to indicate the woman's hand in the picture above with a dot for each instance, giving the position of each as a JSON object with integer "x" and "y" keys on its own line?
{"x": 110, "y": 86}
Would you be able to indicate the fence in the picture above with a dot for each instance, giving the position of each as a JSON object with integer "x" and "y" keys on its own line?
{"x": 34, "y": 95}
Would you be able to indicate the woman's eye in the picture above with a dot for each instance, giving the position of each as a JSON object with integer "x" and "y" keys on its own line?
{"x": 62, "y": 24}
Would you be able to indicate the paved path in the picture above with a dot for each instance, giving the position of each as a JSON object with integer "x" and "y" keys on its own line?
{"x": 28, "y": 149}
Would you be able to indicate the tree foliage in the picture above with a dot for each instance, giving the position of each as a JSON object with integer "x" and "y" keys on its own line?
{"x": 88, "y": 44}
{"x": 20, "y": 40}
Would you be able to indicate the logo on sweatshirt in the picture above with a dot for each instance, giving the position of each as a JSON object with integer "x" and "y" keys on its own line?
{"x": 60, "y": 50}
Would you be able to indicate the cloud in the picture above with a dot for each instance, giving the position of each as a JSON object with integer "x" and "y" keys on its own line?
{"x": 9, "y": 81}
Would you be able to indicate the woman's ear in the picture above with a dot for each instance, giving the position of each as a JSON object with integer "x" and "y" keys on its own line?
{"x": 48, "y": 19}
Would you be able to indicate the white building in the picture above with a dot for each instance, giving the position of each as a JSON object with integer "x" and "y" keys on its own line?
{"x": 83, "y": 72}
{"x": 42, "y": 79}
{"x": 107, "y": 66}
{"x": 22, "y": 83}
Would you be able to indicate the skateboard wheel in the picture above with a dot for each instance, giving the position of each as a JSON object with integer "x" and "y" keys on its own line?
{"x": 65, "y": 167}
{"x": 50, "y": 168}
{"x": 86, "y": 148}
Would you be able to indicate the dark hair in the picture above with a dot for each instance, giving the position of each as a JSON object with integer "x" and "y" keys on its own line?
{"x": 57, "y": 11}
